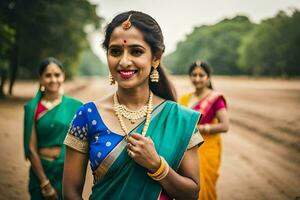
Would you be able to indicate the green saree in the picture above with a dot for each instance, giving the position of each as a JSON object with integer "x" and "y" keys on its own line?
{"x": 51, "y": 130}
{"x": 171, "y": 130}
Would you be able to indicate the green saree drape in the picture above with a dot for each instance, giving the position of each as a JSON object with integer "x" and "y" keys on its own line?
{"x": 51, "y": 130}
{"x": 171, "y": 130}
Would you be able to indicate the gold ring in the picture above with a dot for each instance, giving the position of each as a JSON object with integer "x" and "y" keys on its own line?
{"x": 130, "y": 153}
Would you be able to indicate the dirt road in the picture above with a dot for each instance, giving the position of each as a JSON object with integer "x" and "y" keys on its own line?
{"x": 261, "y": 152}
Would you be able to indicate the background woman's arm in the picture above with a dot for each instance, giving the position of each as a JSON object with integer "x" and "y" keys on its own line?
{"x": 47, "y": 191}
{"x": 221, "y": 127}
{"x": 35, "y": 160}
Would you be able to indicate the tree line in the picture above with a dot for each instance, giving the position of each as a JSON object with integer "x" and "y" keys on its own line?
{"x": 238, "y": 46}
{"x": 32, "y": 30}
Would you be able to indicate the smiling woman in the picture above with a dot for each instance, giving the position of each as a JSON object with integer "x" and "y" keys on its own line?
{"x": 212, "y": 105}
{"x": 46, "y": 121}
{"x": 141, "y": 144}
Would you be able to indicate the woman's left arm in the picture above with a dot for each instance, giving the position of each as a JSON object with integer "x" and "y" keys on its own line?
{"x": 183, "y": 184}
{"x": 221, "y": 127}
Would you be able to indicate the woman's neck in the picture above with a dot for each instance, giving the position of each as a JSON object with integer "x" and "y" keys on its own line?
{"x": 133, "y": 98}
{"x": 200, "y": 92}
{"x": 51, "y": 96}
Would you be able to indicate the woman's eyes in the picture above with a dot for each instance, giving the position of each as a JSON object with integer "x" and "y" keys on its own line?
{"x": 115, "y": 52}
{"x": 118, "y": 52}
{"x": 200, "y": 75}
{"x": 136, "y": 52}
{"x": 57, "y": 75}
{"x": 49, "y": 75}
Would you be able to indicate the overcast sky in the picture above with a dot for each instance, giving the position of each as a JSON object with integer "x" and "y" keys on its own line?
{"x": 177, "y": 18}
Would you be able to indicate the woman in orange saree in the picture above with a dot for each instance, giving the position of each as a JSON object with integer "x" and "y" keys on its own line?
{"x": 212, "y": 106}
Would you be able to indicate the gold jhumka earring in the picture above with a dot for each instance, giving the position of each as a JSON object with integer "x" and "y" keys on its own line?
{"x": 42, "y": 88}
{"x": 154, "y": 76}
{"x": 111, "y": 79}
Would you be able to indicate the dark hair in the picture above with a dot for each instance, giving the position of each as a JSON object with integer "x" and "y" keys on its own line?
{"x": 43, "y": 65}
{"x": 205, "y": 67}
{"x": 153, "y": 36}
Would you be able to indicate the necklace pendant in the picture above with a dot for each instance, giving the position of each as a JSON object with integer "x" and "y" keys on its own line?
{"x": 132, "y": 121}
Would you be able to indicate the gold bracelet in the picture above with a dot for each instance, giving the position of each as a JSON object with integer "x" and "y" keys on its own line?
{"x": 206, "y": 128}
{"x": 44, "y": 184}
{"x": 163, "y": 174}
{"x": 160, "y": 169}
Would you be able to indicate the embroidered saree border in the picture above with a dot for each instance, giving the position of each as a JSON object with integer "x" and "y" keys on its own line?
{"x": 75, "y": 143}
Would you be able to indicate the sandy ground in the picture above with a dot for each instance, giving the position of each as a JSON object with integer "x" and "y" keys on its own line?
{"x": 261, "y": 152}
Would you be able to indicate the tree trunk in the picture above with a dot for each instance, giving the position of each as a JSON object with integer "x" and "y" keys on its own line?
{"x": 3, "y": 80}
{"x": 13, "y": 66}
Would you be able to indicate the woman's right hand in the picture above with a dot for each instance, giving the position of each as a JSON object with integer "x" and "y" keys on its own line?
{"x": 49, "y": 193}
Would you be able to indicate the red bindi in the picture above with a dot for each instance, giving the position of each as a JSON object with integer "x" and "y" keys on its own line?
{"x": 125, "y": 41}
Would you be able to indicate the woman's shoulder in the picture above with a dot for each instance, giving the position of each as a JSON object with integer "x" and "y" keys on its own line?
{"x": 217, "y": 97}
{"x": 216, "y": 94}
{"x": 29, "y": 103}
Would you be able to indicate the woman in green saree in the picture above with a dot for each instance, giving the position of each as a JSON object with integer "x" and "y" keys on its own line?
{"x": 46, "y": 121}
{"x": 140, "y": 143}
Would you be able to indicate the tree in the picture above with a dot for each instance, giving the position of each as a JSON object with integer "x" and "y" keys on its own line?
{"x": 7, "y": 37}
{"x": 91, "y": 65}
{"x": 47, "y": 28}
{"x": 273, "y": 47}
{"x": 216, "y": 44}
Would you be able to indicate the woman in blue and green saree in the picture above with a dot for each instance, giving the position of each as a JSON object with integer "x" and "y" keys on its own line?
{"x": 140, "y": 143}
{"x": 46, "y": 121}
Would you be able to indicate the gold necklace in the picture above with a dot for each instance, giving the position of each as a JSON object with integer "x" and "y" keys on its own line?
{"x": 119, "y": 115}
{"x": 50, "y": 104}
{"x": 131, "y": 115}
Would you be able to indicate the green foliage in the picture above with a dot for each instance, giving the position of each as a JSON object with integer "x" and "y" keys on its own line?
{"x": 236, "y": 45}
{"x": 273, "y": 47}
{"x": 216, "y": 44}
{"x": 91, "y": 65}
{"x": 48, "y": 28}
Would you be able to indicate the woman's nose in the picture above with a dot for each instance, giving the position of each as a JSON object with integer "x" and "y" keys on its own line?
{"x": 125, "y": 60}
{"x": 53, "y": 78}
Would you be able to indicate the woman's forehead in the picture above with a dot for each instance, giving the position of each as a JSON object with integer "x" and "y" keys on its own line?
{"x": 52, "y": 67}
{"x": 129, "y": 36}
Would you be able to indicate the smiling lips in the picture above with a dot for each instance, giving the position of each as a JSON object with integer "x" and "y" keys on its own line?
{"x": 126, "y": 74}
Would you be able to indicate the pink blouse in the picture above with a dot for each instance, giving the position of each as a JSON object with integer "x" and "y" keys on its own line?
{"x": 210, "y": 115}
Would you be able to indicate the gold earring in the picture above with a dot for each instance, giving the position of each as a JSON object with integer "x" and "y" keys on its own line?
{"x": 154, "y": 76}
{"x": 42, "y": 88}
{"x": 111, "y": 79}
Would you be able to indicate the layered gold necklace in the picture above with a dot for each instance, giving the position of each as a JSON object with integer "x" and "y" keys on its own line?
{"x": 131, "y": 115}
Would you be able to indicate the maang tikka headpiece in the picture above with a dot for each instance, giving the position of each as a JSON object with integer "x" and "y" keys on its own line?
{"x": 198, "y": 63}
{"x": 127, "y": 24}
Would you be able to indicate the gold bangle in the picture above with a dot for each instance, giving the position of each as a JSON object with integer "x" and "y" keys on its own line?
{"x": 206, "y": 128}
{"x": 44, "y": 184}
{"x": 163, "y": 174}
{"x": 160, "y": 169}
